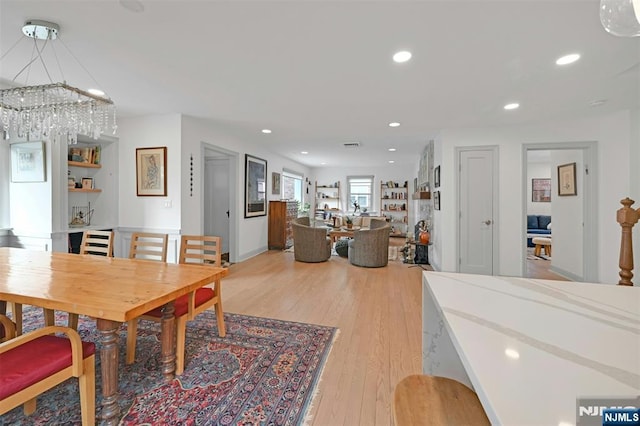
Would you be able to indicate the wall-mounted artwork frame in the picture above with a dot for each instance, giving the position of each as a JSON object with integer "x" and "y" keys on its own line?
{"x": 87, "y": 183}
{"x": 28, "y": 162}
{"x": 275, "y": 183}
{"x": 436, "y": 200}
{"x": 541, "y": 190}
{"x": 255, "y": 186}
{"x": 436, "y": 177}
{"x": 567, "y": 180}
{"x": 151, "y": 172}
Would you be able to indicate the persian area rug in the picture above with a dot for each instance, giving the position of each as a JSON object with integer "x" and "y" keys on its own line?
{"x": 264, "y": 371}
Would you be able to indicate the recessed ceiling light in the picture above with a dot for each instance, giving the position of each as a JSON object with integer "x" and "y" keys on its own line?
{"x": 392, "y": 150}
{"x": 512, "y": 353}
{"x": 568, "y": 59}
{"x": 513, "y": 105}
{"x": 266, "y": 131}
{"x": 394, "y": 124}
{"x": 96, "y": 92}
{"x": 304, "y": 152}
{"x": 402, "y": 56}
{"x": 391, "y": 161}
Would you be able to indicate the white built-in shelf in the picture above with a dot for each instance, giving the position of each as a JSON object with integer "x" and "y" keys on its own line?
{"x": 87, "y": 165}
{"x": 84, "y": 190}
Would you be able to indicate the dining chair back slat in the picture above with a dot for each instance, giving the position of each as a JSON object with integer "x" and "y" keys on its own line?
{"x": 148, "y": 246}
{"x": 203, "y": 249}
{"x": 97, "y": 243}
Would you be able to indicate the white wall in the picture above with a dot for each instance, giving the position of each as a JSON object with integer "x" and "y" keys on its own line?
{"x": 537, "y": 170}
{"x": 613, "y": 132}
{"x": 252, "y": 233}
{"x": 567, "y": 218}
{"x": 150, "y": 213}
{"x": 5, "y": 170}
{"x": 31, "y": 212}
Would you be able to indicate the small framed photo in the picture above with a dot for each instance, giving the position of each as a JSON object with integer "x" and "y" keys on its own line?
{"x": 567, "y": 180}
{"x": 541, "y": 190}
{"x": 87, "y": 183}
{"x": 71, "y": 182}
{"x": 151, "y": 172}
{"x": 436, "y": 177}
{"x": 275, "y": 183}
{"x": 28, "y": 162}
{"x": 436, "y": 200}
{"x": 255, "y": 190}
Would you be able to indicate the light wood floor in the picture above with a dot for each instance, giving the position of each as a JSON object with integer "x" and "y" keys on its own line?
{"x": 378, "y": 312}
{"x": 539, "y": 268}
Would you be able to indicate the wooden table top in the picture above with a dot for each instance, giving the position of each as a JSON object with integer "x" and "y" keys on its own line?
{"x": 109, "y": 288}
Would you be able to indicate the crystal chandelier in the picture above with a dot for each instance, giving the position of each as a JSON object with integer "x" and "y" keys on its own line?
{"x": 54, "y": 109}
{"x": 621, "y": 17}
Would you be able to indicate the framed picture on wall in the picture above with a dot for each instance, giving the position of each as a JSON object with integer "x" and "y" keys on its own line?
{"x": 541, "y": 190}
{"x": 275, "y": 183}
{"x": 87, "y": 183}
{"x": 436, "y": 200}
{"x": 436, "y": 177}
{"x": 567, "y": 180}
{"x": 151, "y": 172}
{"x": 255, "y": 186}
{"x": 28, "y": 162}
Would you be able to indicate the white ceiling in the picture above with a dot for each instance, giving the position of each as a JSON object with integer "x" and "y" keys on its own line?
{"x": 320, "y": 74}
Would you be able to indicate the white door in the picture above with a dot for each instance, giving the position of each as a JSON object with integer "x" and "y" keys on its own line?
{"x": 216, "y": 199}
{"x": 476, "y": 191}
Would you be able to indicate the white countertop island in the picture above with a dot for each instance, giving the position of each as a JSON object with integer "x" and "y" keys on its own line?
{"x": 529, "y": 347}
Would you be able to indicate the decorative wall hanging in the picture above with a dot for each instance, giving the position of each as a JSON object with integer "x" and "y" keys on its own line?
{"x": 28, "y": 162}
{"x": 255, "y": 201}
{"x": 191, "y": 176}
{"x": 436, "y": 177}
{"x": 275, "y": 183}
{"x": 567, "y": 180}
{"x": 151, "y": 172}
{"x": 541, "y": 190}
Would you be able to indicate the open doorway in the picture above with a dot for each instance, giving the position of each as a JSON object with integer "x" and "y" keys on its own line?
{"x": 560, "y": 228}
{"x": 219, "y": 198}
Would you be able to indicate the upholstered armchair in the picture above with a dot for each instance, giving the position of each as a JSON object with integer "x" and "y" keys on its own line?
{"x": 370, "y": 247}
{"x": 310, "y": 244}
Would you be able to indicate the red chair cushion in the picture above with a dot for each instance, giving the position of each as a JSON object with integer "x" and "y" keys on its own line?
{"x": 34, "y": 361}
{"x": 182, "y": 303}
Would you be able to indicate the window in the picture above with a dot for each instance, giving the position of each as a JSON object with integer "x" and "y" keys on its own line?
{"x": 360, "y": 190}
{"x": 292, "y": 187}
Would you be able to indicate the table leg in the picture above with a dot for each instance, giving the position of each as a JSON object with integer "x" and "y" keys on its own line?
{"x": 168, "y": 327}
{"x": 109, "y": 363}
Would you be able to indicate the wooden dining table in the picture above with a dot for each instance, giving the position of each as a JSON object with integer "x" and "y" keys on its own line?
{"x": 110, "y": 290}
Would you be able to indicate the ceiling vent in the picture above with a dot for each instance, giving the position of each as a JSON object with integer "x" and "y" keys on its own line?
{"x": 352, "y": 145}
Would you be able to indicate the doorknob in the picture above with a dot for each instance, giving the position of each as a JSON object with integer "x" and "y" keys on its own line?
{"x": 227, "y": 213}
{"x": 487, "y": 222}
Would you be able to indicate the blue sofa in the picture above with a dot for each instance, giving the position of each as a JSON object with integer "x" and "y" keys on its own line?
{"x": 537, "y": 225}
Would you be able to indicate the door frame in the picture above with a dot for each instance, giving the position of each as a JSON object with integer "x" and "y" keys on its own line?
{"x": 589, "y": 203}
{"x": 495, "y": 152}
{"x": 234, "y": 190}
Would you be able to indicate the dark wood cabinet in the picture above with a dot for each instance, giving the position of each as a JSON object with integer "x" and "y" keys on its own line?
{"x": 281, "y": 213}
